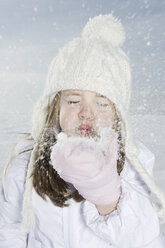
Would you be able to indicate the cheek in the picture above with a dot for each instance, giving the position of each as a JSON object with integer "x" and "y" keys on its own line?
{"x": 105, "y": 119}
{"x": 68, "y": 119}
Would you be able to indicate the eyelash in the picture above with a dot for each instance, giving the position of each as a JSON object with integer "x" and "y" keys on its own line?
{"x": 72, "y": 102}
{"x": 103, "y": 104}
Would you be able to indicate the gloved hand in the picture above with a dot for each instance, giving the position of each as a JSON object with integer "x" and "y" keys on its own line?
{"x": 92, "y": 170}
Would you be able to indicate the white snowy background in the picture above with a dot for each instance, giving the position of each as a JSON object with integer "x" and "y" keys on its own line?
{"x": 31, "y": 32}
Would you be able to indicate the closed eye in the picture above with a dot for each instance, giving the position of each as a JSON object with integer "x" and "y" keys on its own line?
{"x": 103, "y": 104}
{"x": 72, "y": 102}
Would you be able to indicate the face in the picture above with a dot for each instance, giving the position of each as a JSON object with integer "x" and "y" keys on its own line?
{"x": 83, "y": 112}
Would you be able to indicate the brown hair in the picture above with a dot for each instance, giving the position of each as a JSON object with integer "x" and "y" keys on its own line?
{"x": 46, "y": 180}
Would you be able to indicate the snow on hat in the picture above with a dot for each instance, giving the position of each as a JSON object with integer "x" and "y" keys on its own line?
{"x": 96, "y": 62}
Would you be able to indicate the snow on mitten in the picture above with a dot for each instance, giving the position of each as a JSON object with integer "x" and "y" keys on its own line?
{"x": 93, "y": 172}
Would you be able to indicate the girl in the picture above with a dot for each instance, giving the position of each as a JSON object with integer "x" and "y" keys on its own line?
{"x": 79, "y": 179}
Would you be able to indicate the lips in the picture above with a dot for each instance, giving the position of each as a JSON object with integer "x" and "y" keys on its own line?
{"x": 85, "y": 129}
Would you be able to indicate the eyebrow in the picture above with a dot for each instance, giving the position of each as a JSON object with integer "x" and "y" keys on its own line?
{"x": 100, "y": 95}
{"x": 77, "y": 94}
{"x": 71, "y": 93}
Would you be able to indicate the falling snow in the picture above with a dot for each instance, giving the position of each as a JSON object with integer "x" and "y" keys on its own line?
{"x": 31, "y": 32}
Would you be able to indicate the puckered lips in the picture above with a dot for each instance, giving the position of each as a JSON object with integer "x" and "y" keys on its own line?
{"x": 85, "y": 129}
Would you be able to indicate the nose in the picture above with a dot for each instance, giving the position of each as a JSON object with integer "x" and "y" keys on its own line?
{"x": 86, "y": 113}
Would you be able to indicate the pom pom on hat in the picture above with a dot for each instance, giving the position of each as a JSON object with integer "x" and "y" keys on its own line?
{"x": 105, "y": 27}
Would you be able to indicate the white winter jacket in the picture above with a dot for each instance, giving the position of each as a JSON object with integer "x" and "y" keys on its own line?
{"x": 133, "y": 224}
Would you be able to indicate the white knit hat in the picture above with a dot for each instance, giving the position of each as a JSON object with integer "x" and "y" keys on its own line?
{"x": 96, "y": 62}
